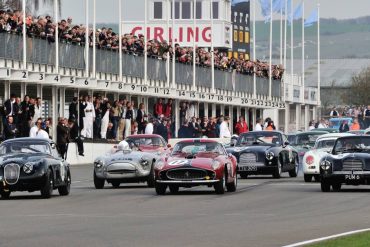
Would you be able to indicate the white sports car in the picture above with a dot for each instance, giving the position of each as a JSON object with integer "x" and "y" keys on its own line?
{"x": 323, "y": 145}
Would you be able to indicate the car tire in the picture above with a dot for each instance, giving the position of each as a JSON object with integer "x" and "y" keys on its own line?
{"x": 174, "y": 189}
{"x": 293, "y": 173}
{"x": 243, "y": 175}
{"x": 98, "y": 182}
{"x": 65, "y": 189}
{"x": 325, "y": 186}
{"x": 47, "y": 189}
{"x": 151, "y": 179}
{"x": 231, "y": 187}
{"x": 5, "y": 194}
{"x": 116, "y": 184}
{"x": 336, "y": 187}
{"x": 277, "y": 172}
{"x": 307, "y": 178}
{"x": 220, "y": 186}
{"x": 160, "y": 188}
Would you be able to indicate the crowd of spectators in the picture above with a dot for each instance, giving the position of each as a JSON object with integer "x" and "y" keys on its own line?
{"x": 106, "y": 38}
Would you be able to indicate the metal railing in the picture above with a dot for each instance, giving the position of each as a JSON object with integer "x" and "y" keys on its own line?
{"x": 40, "y": 51}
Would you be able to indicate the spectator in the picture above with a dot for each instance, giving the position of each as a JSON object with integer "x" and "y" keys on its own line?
{"x": 128, "y": 119}
{"x": 98, "y": 118}
{"x": 334, "y": 112}
{"x": 38, "y": 109}
{"x": 162, "y": 129}
{"x": 311, "y": 125}
{"x": 35, "y": 128}
{"x": 183, "y": 109}
{"x": 258, "y": 126}
{"x": 74, "y": 136}
{"x": 168, "y": 109}
{"x": 10, "y": 130}
{"x": 149, "y": 128}
{"x": 73, "y": 113}
{"x": 355, "y": 125}
{"x": 82, "y": 106}
{"x": 241, "y": 126}
{"x": 41, "y": 133}
{"x": 9, "y": 107}
{"x": 89, "y": 118}
{"x": 105, "y": 120}
{"x": 211, "y": 128}
{"x": 62, "y": 137}
{"x": 322, "y": 124}
{"x": 185, "y": 131}
{"x": 194, "y": 127}
{"x": 140, "y": 118}
{"x": 224, "y": 129}
{"x": 158, "y": 108}
{"x": 344, "y": 127}
{"x": 270, "y": 126}
{"x": 116, "y": 113}
{"x": 367, "y": 117}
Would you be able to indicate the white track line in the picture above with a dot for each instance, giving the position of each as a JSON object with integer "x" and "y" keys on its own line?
{"x": 327, "y": 238}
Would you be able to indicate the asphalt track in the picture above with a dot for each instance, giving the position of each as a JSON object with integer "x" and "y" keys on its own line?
{"x": 263, "y": 212}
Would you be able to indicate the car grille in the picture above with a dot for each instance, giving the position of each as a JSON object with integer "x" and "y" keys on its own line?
{"x": 248, "y": 159}
{"x": 121, "y": 171}
{"x": 186, "y": 174}
{"x": 352, "y": 165}
{"x": 11, "y": 173}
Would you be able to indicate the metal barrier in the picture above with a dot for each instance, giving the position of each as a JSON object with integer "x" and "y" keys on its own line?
{"x": 40, "y": 51}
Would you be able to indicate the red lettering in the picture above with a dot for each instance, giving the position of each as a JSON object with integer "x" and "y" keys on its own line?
{"x": 180, "y": 34}
{"x": 170, "y": 34}
{"x": 207, "y": 34}
{"x": 190, "y": 34}
{"x": 148, "y": 33}
{"x": 136, "y": 29}
{"x": 158, "y": 34}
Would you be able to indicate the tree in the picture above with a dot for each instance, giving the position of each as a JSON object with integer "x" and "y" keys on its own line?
{"x": 358, "y": 93}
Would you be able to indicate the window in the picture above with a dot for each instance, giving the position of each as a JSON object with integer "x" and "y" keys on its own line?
{"x": 186, "y": 10}
{"x": 215, "y": 10}
{"x": 198, "y": 12}
{"x": 158, "y": 10}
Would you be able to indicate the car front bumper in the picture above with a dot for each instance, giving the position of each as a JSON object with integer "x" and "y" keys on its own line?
{"x": 30, "y": 182}
{"x": 122, "y": 171}
{"x": 348, "y": 177}
{"x": 186, "y": 183}
{"x": 257, "y": 170}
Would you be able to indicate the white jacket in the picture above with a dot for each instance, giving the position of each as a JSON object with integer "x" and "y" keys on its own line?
{"x": 224, "y": 130}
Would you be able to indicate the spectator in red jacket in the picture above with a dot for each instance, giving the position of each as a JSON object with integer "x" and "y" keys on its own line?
{"x": 168, "y": 109}
{"x": 158, "y": 108}
{"x": 241, "y": 126}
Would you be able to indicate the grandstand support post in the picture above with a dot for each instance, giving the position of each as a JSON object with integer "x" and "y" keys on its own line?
{"x": 285, "y": 46}
{"x": 23, "y": 90}
{"x": 177, "y": 116}
{"x": 173, "y": 46}
{"x": 298, "y": 110}
{"x": 194, "y": 37}
{"x": 206, "y": 109}
{"x": 254, "y": 49}
{"x": 287, "y": 118}
{"x": 56, "y": 17}
{"x": 93, "y": 40}
{"x": 231, "y": 116}
{"x": 62, "y": 100}
{"x": 222, "y": 109}
{"x": 292, "y": 43}
{"x": 54, "y": 101}
{"x": 239, "y": 112}
{"x": 145, "y": 43}
{"x": 303, "y": 54}
{"x": 318, "y": 57}
{"x": 39, "y": 90}
{"x": 270, "y": 60}
{"x": 24, "y": 35}
{"x": 254, "y": 118}
{"x": 168, "y": 11}
{"x": 314, "y": 113}
{"x": 246, "y": 117}
{"x": 6, "y": 90}
{"x": 306, "y": 116}
{"x": 120, "y": 41}
{"x": 213, "y": 110}
{"x": 281, "y": 34}
{"x": 212, "y": 50}
{"x": 87, "y": 38}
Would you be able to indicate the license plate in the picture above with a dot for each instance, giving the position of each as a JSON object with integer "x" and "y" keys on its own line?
{"x": 352, "y": 177}
{"x": 248, "y": 168}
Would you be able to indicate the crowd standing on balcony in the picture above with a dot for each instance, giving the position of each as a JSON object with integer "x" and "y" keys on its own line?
{"x": 44, "y": 28}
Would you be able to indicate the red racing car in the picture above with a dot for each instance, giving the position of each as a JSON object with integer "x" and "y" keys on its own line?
{"x": 196, "y": 162}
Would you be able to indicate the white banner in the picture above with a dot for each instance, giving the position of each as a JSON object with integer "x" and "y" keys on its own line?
{"x": 184, "y": 33}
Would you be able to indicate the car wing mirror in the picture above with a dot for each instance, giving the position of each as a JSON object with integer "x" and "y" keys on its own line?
{"x": 286, "y": 143}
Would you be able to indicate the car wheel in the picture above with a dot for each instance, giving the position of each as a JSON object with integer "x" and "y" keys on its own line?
{"x": 5, "y": 194}
{"x": 47, "y": 189}
{"x": 116, "y": 184}
{"x": 174, "y": 189}
{"x": 325, "y": 186}
{"x": 231, "y": 187}
{"x": 65, "y": 189}
{"x": 98, "y": 182}
{"x": 293, "y": 173}
{"x": 151, "y": 178}
{"x": 277, "y": 173}
{"x": 244, "y": 175}
{"x": 220, "y": 186}
{"x": 336, "y": 187}
{"x": 307, "y": 178}
{"x": 160, "y": 188}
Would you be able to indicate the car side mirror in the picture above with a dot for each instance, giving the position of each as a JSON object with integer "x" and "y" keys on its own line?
{"x": 286, "y": 143}
{"x": 52, "y": 145}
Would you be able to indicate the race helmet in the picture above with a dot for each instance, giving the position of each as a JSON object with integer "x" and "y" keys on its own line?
{"x": 123, "y": 145}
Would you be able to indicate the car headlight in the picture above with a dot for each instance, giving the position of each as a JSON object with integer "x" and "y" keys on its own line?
{"x": 99, "y": 163}
{"x": 270, "y": 155}
{"x": 144, "y": 163}
{"x": 325, "y": 165}
{"x": 28, "y": 168}
{"x": 215, "y": 164}
{"x": 159, "y": 165}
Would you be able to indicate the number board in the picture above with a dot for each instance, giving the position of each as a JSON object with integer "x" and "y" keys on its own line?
{"x": 19, "y": 75}
{"x": 36, "y": 76}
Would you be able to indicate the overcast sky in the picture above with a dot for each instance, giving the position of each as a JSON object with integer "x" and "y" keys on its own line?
{"x": 107, "y": 10}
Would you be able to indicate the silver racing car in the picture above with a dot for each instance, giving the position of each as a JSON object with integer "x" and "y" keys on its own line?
{"x": 126, "y": 165}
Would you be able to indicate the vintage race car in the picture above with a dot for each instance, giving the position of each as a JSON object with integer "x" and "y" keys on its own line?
{"x": 311, "y": 160}
{"x": 196, "y": 162}
{"x": 304, "y": 141}
{"x": 349, "y": 163}
{"x": 31, "y": 164}
{"x": 264, "y": 152}
{"x": 132, "y": 161}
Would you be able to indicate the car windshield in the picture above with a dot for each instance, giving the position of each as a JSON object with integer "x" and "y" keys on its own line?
{"x": 194, "y": 148}
{"x": 325, "y": 144}
{"x": 24, "y": 147}
{"x": 306, "y": 139}
{"x": 352, "y": 145}
{"x": 259, "y": 138}
{"x": 146, "y": 141}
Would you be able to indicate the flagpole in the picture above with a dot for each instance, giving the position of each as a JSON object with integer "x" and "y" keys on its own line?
{"x": 285, "y": 43}
{"x": 270, "y": 62}
{"x": 254, "y": 50}
{"x": 303, "y": 51}
{"x": 194, "y": 36}
{"x": 318, "y": 57}
{"x": 292, "y": 43}
{"x": 87, "y": 39}
{"x": 120, "y": 39}
{"x": 281, "y": 34}
{"x": 173, "y": 45}
{"x": 145, "y": 43}
{"x": 212, "y": 50}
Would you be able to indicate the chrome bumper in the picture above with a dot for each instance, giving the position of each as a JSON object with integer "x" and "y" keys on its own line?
{"x": 187, "y": 182}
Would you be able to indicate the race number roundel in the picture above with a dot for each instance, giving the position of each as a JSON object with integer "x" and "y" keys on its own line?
{"x": 178, "y": 163}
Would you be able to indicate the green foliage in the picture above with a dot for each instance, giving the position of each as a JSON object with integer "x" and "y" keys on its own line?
{"x": 357, "y": 240}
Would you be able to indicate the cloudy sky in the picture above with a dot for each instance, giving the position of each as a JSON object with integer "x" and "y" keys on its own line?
{"x": 107, "y": 10}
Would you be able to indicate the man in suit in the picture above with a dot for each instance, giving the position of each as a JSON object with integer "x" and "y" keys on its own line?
{"x": 344, "y": 127}
{"x": 162, "y": 129}
{"x": 8, "y": 108}
{"x": 62, "y": 137}
{"x": 140, "y": 118}
{"x": 10, "y": 130}
{"x": 73, "y": 113}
